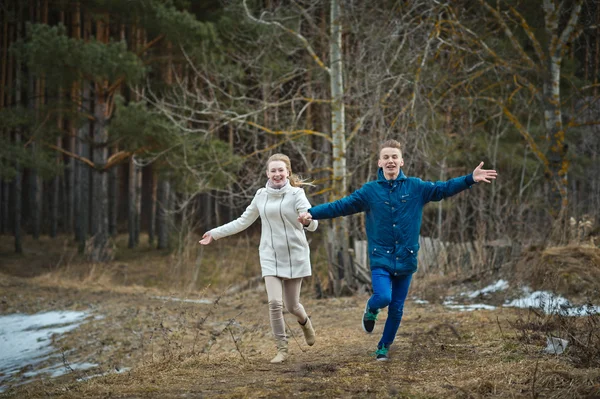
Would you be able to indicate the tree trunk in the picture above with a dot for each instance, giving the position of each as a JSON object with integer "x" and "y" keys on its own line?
{"x": 54, "y": 212}
{"x": 36, "y": 102}
{"x": 138, "y": 204}
{"x": 162, "y": 218}
{"x": 113, "y": 198}
{"x": 4, "y": 209}
{"x": 558, "y": 164}
{"x": 35, "y": 185}
{"x": 82, "y": 205}
{"x": 134, "y": 172}
{"x": 82, "y": 217}
{"x": 206, "y": 210}
{"x": 6, "y": 93}
{"x": 56, "y": 182}
{"x": 133, "y": 219}
{"x": 72, "y": 165}
{"x": 338, "y": 238}
{"x": 3, "y": 70}
{"x": 100, "y": 249}
{"x": 55, "y": 203}
{"x": 152, "y": 221}
{"x": 18, "y": 190}
{"x": 18, "y": 185}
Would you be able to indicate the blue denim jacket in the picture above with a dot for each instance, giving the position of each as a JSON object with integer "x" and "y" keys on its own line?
{"x": 394, "y": 211}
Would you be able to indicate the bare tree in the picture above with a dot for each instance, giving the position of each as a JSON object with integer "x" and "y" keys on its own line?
{"x": 532, "y": 68}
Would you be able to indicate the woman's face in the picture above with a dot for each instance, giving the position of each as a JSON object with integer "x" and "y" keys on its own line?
{"x": 277, "y": 172}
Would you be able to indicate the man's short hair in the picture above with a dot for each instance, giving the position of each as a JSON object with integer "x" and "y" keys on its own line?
{"x": 390, "y": 144}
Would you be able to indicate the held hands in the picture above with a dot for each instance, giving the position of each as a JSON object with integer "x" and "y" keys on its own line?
{"x": 484, "y": 174}
{"x": 206, "y": 238}
{"x": 305, "y": 218}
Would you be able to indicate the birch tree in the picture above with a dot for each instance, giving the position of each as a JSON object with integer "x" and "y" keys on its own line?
{"x": 527, "y": 57}
{"x": 338, "y": 236}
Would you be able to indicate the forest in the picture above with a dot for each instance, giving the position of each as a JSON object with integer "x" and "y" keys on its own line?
{"x": 130, "y": 128}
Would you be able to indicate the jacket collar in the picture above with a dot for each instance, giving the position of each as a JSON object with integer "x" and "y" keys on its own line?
{"x": 278, "y": 191}
{"x": 381, "y": 176}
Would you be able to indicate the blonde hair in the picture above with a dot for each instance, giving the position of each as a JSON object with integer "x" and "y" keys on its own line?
{"x": 295, "y": 180}
{"x": 390, "y": 144}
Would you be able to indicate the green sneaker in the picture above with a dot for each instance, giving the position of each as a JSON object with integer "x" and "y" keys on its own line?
{"x": 382, "y": 354}
{"x": 369, "y": 319}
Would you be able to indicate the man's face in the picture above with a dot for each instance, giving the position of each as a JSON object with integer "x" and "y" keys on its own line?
{"x": 390, "y": 159}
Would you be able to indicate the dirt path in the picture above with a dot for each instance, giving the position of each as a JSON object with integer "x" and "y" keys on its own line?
{"x": 221, "y": 349}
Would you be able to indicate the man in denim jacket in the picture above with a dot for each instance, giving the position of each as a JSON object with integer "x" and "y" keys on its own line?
{"x": 393, "y": 205}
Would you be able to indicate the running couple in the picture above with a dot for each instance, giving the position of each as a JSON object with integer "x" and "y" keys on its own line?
{"x": 393, "y": 206}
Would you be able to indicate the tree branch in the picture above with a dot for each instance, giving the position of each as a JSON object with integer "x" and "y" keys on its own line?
{"x": 300, "y": 132}
{"x": 305, "y": 42}
{"x": 536, "y": 44}
{"x": 571, "y": 31}
{"x": 508, "y": 32}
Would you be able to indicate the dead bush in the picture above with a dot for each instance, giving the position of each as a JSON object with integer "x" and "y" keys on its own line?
{"x": 582, "y": 333}
{"x": 571, "y": 271}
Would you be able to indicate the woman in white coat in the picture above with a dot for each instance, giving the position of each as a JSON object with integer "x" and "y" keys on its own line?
{"x": 284, "y": 252}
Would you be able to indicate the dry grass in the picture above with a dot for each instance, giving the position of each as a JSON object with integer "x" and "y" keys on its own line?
{"x": 221, "y": 349}
{"x": 433, "y": 288}
{"x": 572, "y": 271}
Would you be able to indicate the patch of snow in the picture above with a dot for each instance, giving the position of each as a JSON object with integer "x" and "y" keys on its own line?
{"x": 59, "y": 369}
{"x": 499, "y": 285}
{"x": 468, "y": 308}
{"x": 552, "y": 304}
{"x": 449, "y": 301}
{"x": 89, "y": 377}
{"x": 170, "y": 298}
{"x": 26, "y": 339}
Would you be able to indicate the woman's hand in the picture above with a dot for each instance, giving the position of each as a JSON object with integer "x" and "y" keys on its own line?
{"x": 206, "y": 238}
{"x": 305, "y": 218}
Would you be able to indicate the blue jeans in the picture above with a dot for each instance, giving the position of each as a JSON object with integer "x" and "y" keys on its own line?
{"x": 389, "y": 291}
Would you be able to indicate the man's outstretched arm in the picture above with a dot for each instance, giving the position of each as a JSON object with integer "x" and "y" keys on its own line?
{"x": 439, "y": 190}
{"x": 354, "y": 203}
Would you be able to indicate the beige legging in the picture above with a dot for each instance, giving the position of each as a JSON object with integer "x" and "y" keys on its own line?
{"x": 282, "y": 292}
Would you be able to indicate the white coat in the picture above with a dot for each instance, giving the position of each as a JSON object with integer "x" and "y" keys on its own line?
{"x": 283, "y": 249}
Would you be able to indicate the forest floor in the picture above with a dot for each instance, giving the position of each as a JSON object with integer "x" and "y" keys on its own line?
{"x": 152, "y": 341}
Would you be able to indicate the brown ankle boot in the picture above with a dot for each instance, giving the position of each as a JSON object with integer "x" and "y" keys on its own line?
{"x": 282, "y": 351}
{"x": 309, "y": 332}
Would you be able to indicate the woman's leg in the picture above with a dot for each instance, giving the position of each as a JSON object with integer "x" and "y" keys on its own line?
{"x": 291, "y": 295}
{"x": 291, "y": 298}
{"x": 274, "y": 287}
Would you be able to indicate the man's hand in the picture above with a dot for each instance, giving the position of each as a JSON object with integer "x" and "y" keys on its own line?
{"x": 206, "y": 238}
{"x": 305, "y": 218}
{"x": 484, "y": 174}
